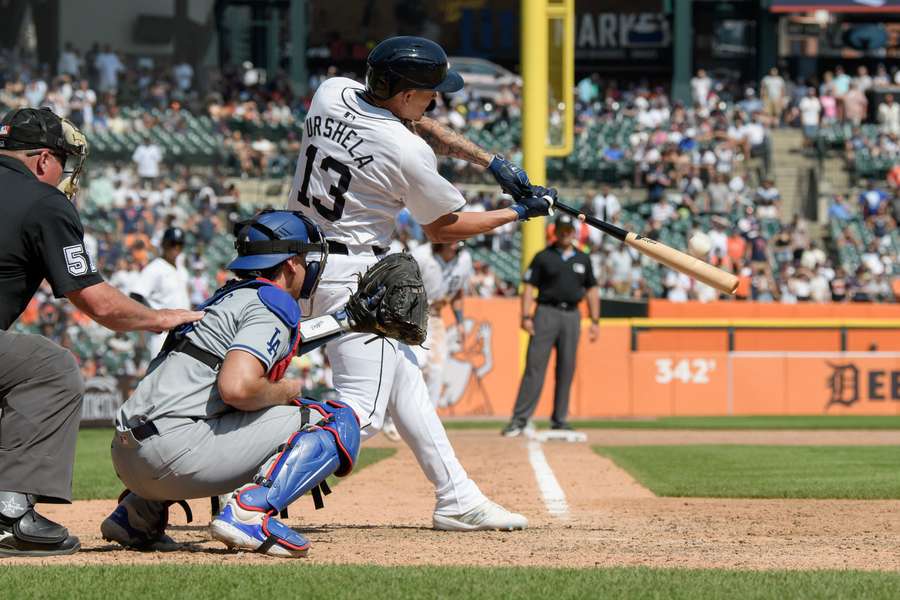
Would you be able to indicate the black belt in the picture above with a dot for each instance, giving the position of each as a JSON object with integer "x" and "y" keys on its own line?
{"x": 569, "y": 306}
{"x": 207, "y": 358}
{"x": 335, "y": 247}
{"x": 142, "y": 432}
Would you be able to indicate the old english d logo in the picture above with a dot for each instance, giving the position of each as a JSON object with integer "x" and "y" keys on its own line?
{"x": 844, "y": 384}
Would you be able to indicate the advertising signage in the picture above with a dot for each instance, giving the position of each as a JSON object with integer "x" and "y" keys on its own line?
{"x": 843, "y": 6}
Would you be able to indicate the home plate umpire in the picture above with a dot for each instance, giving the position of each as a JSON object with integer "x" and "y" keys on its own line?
{"x": 41, "y": 237}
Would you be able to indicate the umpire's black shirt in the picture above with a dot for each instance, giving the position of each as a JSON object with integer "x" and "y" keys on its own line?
{"x": 41, "y": 237}
{"x": 560, "y": 281}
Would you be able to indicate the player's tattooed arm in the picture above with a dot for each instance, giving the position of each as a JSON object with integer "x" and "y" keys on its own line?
{"x": 446, "y": 142}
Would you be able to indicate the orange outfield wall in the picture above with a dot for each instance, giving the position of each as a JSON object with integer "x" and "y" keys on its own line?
{"x": 685, "y": 371}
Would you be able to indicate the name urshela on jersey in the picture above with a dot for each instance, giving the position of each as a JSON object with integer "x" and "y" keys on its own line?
{"x": 340, "y": 132}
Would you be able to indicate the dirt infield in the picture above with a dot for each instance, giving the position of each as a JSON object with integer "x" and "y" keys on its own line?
{"x": 382, "y": 515}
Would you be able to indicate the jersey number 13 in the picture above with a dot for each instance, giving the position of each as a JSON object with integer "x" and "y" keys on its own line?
{"x": 336, "y": 191}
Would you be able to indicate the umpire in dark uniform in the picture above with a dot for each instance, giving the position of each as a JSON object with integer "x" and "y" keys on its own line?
{"x": 563, "y": 276}
{"x": 41, "y": 237}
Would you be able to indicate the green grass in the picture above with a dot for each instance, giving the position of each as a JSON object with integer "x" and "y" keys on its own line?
{"x": 95, "y": 478}
{"x": 738, "y": 471}
{"x": 311, "y": 581}
{"x": 760, "y": 422}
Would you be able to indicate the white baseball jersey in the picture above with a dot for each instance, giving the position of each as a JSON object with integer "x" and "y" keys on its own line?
{"x": 368, "y": 166}
{"x": 458, "y": 271}
{"x": 432, "y": 275}
{"x": 443, "y": 279}
{"x": 163, "y": 285}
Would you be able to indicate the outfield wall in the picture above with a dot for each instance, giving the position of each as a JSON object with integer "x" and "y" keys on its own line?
{"x": 689, "y": 370}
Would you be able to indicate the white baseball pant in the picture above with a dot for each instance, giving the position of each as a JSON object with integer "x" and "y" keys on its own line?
{"x": 372, "y": 374}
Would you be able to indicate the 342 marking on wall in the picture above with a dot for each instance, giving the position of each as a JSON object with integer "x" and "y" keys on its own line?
{"x": 693, "y": 370}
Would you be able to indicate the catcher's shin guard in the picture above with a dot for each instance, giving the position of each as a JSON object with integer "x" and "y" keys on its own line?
{"x": 308, "y": 457}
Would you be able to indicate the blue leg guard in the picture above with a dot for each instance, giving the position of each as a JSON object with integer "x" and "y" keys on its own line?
{"x": 310, "y": 455}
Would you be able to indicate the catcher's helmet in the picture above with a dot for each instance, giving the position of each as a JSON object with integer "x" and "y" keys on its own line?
{"x": 272, "y": 237}
{"x": 406, "y": 62}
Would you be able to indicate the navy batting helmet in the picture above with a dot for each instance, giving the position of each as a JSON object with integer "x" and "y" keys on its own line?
{"x": 405, "y": 63}
{"x": 173, "y": 236}
{"x": 274, "y": 236}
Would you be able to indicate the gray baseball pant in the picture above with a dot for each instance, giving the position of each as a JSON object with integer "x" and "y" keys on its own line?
{"x": 202, "y": 458}
{"x": 553, "y": 327}
{"x": 40, "y": 408}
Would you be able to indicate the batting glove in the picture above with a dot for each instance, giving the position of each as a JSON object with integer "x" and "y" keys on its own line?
{"x": 538, "y": 205}
{"x": 512, "y": 179}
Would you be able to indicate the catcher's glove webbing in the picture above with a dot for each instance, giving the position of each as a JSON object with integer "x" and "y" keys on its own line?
{"x": 390, "y": 300}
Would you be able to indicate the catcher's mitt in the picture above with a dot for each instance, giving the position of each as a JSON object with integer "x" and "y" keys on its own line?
{"x": 390, "y": 300}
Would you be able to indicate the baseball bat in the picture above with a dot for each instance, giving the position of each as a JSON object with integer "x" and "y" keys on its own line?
{"x": 693, "y": 267}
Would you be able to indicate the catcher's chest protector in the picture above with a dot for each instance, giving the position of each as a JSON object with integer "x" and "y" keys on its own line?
{"x": 273, "y": 297}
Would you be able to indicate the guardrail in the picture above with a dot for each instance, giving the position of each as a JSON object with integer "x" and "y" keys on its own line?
{"x": 730, "y": 326}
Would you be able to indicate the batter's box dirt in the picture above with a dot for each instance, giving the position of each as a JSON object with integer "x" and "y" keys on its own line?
{"x": 382, "y": 515}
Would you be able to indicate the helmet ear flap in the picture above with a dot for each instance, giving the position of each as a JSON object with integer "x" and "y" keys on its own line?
{"x": 378, "y": 83}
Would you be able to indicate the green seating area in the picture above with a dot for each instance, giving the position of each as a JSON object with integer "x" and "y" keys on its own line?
{"x": 850, "y": 255}
{"x": 197, "y": 144}
{"x": 866, "y": 166}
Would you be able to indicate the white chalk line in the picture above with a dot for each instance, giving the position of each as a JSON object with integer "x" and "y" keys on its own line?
{"x": 554, "y": 497}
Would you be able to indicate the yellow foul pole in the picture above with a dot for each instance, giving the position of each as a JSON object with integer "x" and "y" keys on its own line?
{"x": 534, "y": 66}
{"x": 534, "y": 61}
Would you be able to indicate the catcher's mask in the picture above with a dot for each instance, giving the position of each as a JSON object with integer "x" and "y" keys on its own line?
{"x": 33, "y": 128}
{"x": 272, "y": 237}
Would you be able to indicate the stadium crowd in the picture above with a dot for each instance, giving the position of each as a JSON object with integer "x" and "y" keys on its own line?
{"x": 669, "y": 169}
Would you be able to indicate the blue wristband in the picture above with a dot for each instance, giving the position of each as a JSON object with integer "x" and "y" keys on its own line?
{"x": 458, "y": 313}
{"x": 520, "y": 210}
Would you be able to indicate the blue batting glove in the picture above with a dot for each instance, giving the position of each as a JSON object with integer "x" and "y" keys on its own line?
{"x": 512, "y": 179}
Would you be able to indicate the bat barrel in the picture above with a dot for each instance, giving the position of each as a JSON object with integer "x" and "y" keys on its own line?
{"x": 693, "y": 267}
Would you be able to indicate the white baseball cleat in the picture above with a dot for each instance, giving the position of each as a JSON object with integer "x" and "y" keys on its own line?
{"x": 390, "y": 431}
{"x": 486, "y": 516}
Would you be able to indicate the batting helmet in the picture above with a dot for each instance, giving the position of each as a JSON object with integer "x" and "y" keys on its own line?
{"x": 405, "y": 63}
{"x": 173, "y": 236}
{"x": 274, "y": 236}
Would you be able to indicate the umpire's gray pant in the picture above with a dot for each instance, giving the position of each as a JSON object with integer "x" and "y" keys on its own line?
{"x": 40, "y": 398}
{"x": 553, "y": 327}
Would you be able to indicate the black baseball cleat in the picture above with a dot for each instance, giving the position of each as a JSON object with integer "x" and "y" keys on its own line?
{"x": 35, "y": 535}
{"x": 24, "y": 532}
{"x": 512, "y": 430}
{"x": 562, "y": 427}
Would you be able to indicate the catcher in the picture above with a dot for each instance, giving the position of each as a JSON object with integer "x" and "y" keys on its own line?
{"x": 215, "y": 413}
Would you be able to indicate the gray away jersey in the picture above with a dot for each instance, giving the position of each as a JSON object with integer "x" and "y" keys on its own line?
{"x": 182, "y": 386}
{"x": 359, "y": 166}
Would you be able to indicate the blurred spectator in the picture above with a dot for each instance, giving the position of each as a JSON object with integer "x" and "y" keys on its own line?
{"x": 108, "y": 68}
{"x": 69, "y": 61}
{"x": 147, "y": 157}
{"x": 855, "y": 104}
{"x": 810, "y": 112}
{"x": 773, "y": 93}
{"x": 701, "y": 86}
{"x": 889, "y": 115}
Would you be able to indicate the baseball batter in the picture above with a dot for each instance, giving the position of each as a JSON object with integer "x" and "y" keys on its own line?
{"x": 163, "y": 283}
{"x": 215, "y": 414}
{"x": 367, "y": 153}
{"x": 446, "y": 271}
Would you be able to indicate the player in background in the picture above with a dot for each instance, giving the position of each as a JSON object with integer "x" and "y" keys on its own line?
{"x": 453, "y": 265}
{"x": 367, "y": 153}
{"x": 163, "y": 283}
